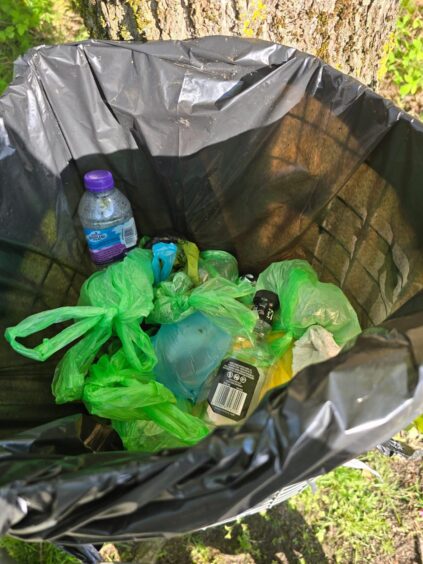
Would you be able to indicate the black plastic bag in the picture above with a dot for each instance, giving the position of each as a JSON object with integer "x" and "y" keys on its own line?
{"x": 240, "y": 145}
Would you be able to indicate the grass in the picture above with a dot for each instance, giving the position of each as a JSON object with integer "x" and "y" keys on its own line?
{"x": 200, "y": 553}
{"x": 357, "y": 513}
{"x": 354, "y": 517}
{"x": 247, "y": 545}
{"x": 35, "y": 553}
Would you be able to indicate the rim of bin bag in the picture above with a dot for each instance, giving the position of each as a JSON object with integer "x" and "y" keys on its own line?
{"x": 290, "y": 491}
{"x": 276, "y": 499}
{"x": 52, "y": 486}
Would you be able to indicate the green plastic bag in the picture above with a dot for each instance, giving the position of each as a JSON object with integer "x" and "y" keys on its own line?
{"x": 192, "y": 255}
{"x": 116, "y": 391}
{"x": 187, "y": 257}
{"x": 145, "y": 436}
{"x": 218, "y": 263}
{"x": 218, "y": 298}
{"x": 304, "y": 301}
{"x": 113, "y": 301}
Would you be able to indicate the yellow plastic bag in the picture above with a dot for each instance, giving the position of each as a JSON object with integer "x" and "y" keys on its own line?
{"x": 279, "y": 373}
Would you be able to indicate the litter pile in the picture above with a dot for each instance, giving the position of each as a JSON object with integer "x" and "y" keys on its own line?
{"x": 171, "y": 341}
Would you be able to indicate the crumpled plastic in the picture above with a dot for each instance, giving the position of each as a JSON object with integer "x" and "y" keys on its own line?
{"x": 186, "y": 257}
{"x": 217, "y": 298}
{"x": 192, "y": 256}
{"x": 116, "y": 391}
{"x": 218, "y": 263}
{"x": 279, "y": 373}
{"x": 164, "y": 256}
{"x": 316, "y": 345}
{"x": 113, "y": 301}
{"x": 304, "y": 301}
{"x": 145, "y": 436}
{"x": 188, "y": 352}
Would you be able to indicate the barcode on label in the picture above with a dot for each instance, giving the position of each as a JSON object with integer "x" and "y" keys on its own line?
{"x": 129, "y": 236}
{"x": 228, "y": 398}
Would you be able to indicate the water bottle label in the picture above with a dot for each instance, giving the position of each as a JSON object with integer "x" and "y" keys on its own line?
{"x": 106, "y": 245}
{"x": 234, "y": 389}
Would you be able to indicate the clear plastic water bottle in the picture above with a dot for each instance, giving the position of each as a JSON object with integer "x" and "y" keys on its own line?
{"x": 107, "y": 218}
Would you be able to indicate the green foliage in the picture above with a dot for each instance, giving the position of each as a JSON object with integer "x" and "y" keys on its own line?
{"x": 22, "y": 22}
{"x": 200, "y": 553}
{"x": 19, "y": 20}
{"x": 403, "y": 61}
{"x": 355, "y": 511}
{"x": 35, "y": 553}
{"x": 27, "y": 23}
{"x": 246, "y": 544}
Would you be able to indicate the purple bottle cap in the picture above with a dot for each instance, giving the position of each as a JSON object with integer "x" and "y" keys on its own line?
{"x": 98, "y": 180}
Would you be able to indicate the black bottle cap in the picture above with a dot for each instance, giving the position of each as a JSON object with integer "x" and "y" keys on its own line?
{"x": 269, "y": 296}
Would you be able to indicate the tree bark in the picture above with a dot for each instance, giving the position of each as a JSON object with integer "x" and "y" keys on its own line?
{"x": 348, "y": 34}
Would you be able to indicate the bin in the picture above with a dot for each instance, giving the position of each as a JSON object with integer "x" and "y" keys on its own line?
{"x": 241, "y": 145}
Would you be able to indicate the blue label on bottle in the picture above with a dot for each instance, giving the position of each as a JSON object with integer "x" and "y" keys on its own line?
{"x": 108, "y": 244}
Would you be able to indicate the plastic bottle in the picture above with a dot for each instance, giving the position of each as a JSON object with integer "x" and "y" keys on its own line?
{"x": 235, "y": 392}
{"x": 107, "y": 218}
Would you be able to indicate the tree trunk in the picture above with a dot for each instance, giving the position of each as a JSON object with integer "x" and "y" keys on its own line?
{"x": 348, "y": 34}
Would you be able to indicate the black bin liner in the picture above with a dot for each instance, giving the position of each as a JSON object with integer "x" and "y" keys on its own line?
{"x": 236, "y": 144}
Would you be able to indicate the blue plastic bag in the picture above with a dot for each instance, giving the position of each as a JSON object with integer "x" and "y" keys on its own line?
{"x": 188, "y": 352}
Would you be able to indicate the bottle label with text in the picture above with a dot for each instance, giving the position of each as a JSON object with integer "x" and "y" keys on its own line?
{"x": 106, "y": 245}
{"x": 233, "y": 389}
